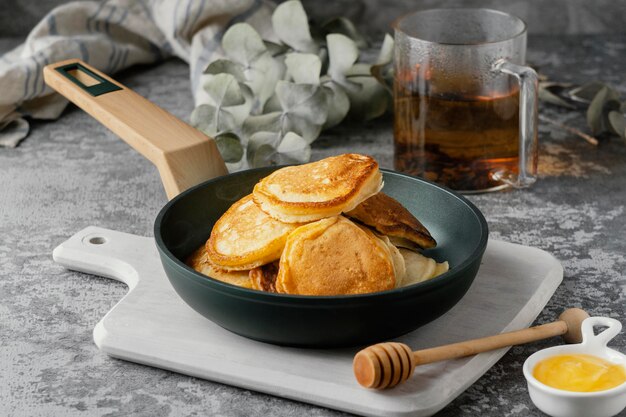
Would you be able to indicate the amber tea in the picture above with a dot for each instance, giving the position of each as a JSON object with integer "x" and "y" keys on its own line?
{"x": 461, "y": 141}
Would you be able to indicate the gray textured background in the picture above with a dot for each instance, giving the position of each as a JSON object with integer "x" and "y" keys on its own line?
{"x": 374, "y": 17}
{"x": 73, "y": 173}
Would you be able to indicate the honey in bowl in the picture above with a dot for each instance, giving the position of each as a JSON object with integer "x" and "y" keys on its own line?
{"x": 579, "y": 373}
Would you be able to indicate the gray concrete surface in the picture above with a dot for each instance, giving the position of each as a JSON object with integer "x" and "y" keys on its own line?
{"x": 73, "y": 173}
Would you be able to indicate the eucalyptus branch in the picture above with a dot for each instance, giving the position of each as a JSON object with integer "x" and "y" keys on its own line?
{"x": 572, "y": 130}
{"x": 274, "y": 98}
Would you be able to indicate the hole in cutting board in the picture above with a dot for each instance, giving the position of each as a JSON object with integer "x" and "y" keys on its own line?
{"x": 97, "y": 240}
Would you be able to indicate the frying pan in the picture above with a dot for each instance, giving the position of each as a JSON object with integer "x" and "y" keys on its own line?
{"x": 200, "y": 191}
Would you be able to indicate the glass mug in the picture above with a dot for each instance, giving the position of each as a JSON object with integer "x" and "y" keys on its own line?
{"x": 465, "y": 106}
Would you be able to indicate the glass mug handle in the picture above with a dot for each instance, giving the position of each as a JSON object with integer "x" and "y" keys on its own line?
{"x": 527, "y": 78}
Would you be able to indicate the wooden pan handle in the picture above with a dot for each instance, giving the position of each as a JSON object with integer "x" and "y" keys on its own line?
{"x": 183, "y": 155}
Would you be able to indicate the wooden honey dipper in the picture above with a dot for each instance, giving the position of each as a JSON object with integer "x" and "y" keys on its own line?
{"x": 386, "y": 365}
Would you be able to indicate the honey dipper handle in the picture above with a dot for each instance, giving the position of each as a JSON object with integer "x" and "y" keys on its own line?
{"x": 472, "y": 347}
{"x": 183, "y": 155}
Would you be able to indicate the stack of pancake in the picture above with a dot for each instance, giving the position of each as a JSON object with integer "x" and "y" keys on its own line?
{"x": 322, "y": 228}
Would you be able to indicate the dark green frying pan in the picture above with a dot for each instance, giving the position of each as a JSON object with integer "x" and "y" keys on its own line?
{"x": 186, "y": 157}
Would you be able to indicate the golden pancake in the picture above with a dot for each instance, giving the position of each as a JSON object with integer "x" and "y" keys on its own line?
{"x": 313, "y": 191}
{"x": 390, "y": 218}
{"x": 334, "y": 257}
{"x": 420, "y": 268}
{"x": 245, "y": 237}
{"x": 263, "y": 278}
{"x": 399, "y": 266}
{"x": 201, "y": 263}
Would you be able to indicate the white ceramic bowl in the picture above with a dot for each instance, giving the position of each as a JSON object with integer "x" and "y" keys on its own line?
{"x": 561, "y": 403}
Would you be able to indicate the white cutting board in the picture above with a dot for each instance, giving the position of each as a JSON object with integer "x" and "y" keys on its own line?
{"x": 153, "y": 326}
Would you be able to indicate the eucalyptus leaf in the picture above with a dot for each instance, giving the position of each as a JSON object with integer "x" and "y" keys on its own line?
{"x": 303, "y": 68}
{"x": 595, "y": 110}
{"x": 303, "y": 127}
{"x": 242, "y": 44}
{"x": 262, "y": 76}
{"x": 586, "y": 92}
{"x": 295, "y": 120}
{"x": 225, "y": 121}
{"x": 359, "y": 70}
{"x": 338, "y": 104}
{"x": 323, "y": 55}
{"x": 383, "y": 70}
{"x": 269, "y": 122}
{"x": 605, "y": 101}
{"x": 229, "y": 146}
{"x": 345, "y": 27}
{"x": 221, "y": 66}
{"x": 293, "y": 149}
{"x": 384, "y": 74}
{"x": 276, "y": 49}
{"x": 611, "y": 105}
{"x": 211, "y": 120}
{"x": 617, "y": 122}
{"x": 291, "y": 25}
{"x": 548, "y": 96}
{"x": 262, "y": 149}
{"x": 238, "y": 112}
{"x": 237, "y": 166}
{"x": 558, "y": 86}
{"x": 259, "y": 139}
{"x": 269, "y": 148}
{"x": 342, "y": 54}
{"x": 241, "y": 112}
{"x": 302, "y": 101}
{"x": 272, "y": 105}
{"x": 224, "y": 90}
{"x": 372, "y": 100}
{"x": 614, "y": 96}
{"x": 385, "y": 56}
{"x": 202, "y": 116}
{"x": 263, "y": 156}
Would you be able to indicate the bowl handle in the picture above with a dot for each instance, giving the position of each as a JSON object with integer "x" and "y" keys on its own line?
{"x": 601, "y": 339}
{"x": 183, "y": 155}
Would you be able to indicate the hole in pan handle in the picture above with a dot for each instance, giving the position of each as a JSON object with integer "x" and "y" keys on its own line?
{"x": 80, "y": 75}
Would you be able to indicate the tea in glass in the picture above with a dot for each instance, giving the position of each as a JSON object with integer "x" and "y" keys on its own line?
{"x": 457, "y": 115}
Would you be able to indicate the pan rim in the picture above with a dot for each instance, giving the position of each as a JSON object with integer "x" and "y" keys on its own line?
{"x": 380, "y": 296}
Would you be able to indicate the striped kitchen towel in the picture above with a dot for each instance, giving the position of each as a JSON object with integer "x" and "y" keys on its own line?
{"x": 113, "y": 35}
